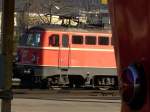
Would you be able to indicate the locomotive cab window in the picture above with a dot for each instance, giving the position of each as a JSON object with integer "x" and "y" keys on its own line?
{"x": 54, "y": 40}
{"x": 90, "y": 40}
{"x": 31, "y": 39}
{"x": 103, "y": 40}
{"x": 77, "y": 39}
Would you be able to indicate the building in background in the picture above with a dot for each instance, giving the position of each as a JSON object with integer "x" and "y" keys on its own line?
{"x": 104, "y": 14}
{"x": 32, "y": 12}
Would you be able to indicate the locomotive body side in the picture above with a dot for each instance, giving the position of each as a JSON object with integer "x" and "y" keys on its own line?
{"x": 66, "y": 54}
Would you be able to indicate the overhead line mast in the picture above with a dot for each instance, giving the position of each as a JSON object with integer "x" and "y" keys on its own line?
{"x": 7, "y": 53}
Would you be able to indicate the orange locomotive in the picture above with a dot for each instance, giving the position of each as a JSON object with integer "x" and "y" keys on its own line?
{"x": 61, "y": 56}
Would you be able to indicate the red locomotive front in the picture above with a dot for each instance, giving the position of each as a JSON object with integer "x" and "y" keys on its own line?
{"x": 130, "y": 25}
{"x": 62, "y": 56}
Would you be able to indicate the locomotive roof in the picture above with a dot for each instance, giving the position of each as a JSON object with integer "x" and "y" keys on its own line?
{"x": 70, "y": 29}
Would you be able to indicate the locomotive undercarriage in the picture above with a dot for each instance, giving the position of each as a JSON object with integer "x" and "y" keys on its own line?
{"x": 39, "y": 77}
{"x": 77, "y": 81}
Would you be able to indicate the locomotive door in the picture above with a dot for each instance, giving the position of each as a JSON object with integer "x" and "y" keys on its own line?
{"x": 64, "y": 53}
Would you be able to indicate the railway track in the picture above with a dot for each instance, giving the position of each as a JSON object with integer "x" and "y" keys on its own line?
{"x": 76, "y": 95}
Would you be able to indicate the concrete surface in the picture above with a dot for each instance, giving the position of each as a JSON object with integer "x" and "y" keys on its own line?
{"x": 37, "y": 105}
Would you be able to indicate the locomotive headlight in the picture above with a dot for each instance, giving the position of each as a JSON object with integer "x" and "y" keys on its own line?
{"x": 17, "y": 57}
{"x": 34, "y": 58}
{"x": 27, "y": 71}
{"x": 133, "y": 86}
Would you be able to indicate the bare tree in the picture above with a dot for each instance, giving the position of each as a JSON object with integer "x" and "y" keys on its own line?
{"x": 22, "y": 14}
{"x": 65, "y": 9}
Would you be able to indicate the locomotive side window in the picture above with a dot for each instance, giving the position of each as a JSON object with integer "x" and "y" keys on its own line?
{"x": 65, "y": 40}
{"x": 77, "y": 39}
{"x": 54, "y": 40}
{"x": 90, "y": 40}
{"x": 103, "y": 40}
{"x": 31, "y": 39}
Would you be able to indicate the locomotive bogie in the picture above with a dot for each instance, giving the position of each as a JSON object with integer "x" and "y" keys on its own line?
{"x": 72, "y": 77}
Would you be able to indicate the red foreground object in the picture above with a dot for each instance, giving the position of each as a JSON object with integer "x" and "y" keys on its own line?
{"x": 131, "y": 25}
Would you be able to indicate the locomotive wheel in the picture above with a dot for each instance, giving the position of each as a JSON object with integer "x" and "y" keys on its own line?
{"x": 44, "y": 84}
{"x": 26, "y": 82}
{"x": 104, "y": 88}
{"x": 76, "y": 81}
